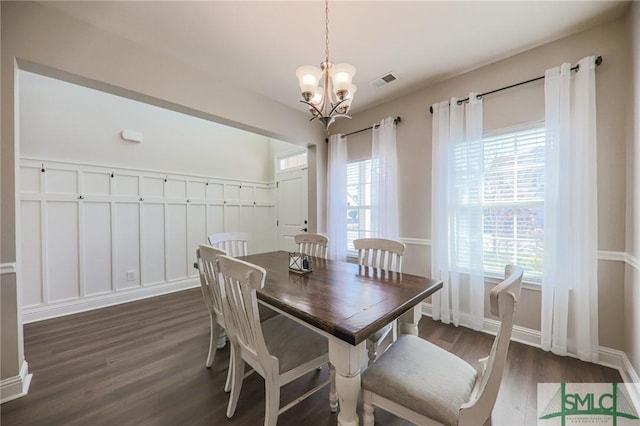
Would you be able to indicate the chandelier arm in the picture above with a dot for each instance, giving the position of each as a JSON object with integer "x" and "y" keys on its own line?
{"x": 336, "y": 106}
{"x": 314, "y": 107}
{"x": 342, "y": 116}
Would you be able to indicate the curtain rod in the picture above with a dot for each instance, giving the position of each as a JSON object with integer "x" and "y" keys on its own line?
{"x": 461, "y": 101}
{"x": 395, "y": 121}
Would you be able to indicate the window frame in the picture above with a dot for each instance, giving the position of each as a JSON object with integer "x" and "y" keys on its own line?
{"x": 284, "y": 156}
{"x": 494, "y": 276}
{"x": 364, "y": 164}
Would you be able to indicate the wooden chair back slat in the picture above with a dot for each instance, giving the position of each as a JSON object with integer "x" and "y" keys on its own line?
{"x": 234, "y": 243}
{"x": 240, "y": 281}
{"x": 312, "y": 244}
{"x": 380, "y": 253}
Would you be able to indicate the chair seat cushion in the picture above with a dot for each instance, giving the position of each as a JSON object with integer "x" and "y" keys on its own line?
{"x": 279, "y": 333}
{"x": 422, "y": 377}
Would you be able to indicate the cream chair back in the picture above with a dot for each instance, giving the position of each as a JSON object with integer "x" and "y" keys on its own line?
{"x": 421, "y": 382}
{"x": 240, "y": 281}
{"x": 380, "y": 253}
{"x": 234, "y": 243}
{"x": 387, "y": 255}
{"x": 279, "y": 349}
{"x": 502, "y": 300}
{"x": 206, "y": 256}
{"x": 312, "y": 244}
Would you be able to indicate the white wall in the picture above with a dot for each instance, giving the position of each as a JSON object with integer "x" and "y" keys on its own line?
{"x": 632, "y": 279}
{"x": 68, "y": 122}
{"x": 104, "y": 220}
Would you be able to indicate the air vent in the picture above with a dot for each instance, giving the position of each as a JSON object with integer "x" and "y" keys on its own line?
{"x": 383, "y": 80}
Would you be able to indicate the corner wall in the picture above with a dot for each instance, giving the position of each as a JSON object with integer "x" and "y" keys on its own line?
{"x": 632, "y": 276}
{"x": 522, "y": 105}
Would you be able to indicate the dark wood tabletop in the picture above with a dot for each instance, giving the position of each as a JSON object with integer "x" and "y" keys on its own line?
{"x": 344, "y": 299}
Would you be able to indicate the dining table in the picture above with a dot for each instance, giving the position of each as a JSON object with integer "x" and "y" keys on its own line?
{"x": 347, "y": 303}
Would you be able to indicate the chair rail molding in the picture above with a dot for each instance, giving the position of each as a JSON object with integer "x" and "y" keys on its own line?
{"x": 17, "y": 386}
{"x": 632, "y": 261}
{"x": 8, "y": 268}
{"x": 416, "y": 241}
{"x": 611, "y": 255}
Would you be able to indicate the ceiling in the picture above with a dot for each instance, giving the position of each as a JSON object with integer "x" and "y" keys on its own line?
{"x": 259, "y": 44}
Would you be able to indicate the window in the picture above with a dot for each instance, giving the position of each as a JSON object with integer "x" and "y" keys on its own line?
{"x": 358, "y": 203}
{"x": 292, "y": 161}
{"x": 513, "y": 200}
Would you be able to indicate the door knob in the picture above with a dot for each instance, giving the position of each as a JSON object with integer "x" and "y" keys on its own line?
{"x": 304, "y": 229}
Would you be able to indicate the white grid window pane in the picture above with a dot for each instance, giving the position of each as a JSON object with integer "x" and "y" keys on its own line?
{"x": 358, "y": 213}
{"x": 512, "y": 201}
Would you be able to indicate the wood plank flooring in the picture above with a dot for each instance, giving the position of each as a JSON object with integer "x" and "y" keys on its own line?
{"x": 142, "y": 363}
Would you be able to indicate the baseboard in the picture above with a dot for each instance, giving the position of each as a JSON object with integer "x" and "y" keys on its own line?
{"x": 632, "y": 380}
{"x": 520, "y": 334}
{"x": 16, "y": 386}
{"x": 39, "y": 313}
{"x": 608, "y": 357}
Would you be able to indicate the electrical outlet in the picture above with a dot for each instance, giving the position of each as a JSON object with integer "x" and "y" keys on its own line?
{"x": 131, "y": 275}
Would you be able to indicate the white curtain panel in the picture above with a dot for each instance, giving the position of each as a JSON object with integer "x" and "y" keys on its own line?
{"x": 570, "y": 269}
{"x": 337, "y": 197}
{"x": 456, "y": 197}
{"x": 384, "y": 181}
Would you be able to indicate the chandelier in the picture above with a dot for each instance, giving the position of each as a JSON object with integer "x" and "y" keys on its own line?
{"x": 332, "y": 99}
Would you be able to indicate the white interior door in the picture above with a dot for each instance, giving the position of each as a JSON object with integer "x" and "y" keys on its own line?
{"x": 292, "y": 197}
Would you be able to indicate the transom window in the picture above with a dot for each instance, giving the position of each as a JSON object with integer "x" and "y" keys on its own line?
{"x": 292, "y": 161}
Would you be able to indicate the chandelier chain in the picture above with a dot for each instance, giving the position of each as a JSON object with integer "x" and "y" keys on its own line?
{"x": 326, "y": 30}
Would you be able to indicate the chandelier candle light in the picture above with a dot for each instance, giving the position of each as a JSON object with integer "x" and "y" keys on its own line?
{"x": 333, "y": 99}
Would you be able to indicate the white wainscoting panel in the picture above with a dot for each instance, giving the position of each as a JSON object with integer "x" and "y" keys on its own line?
{"x": 61, "y": 241}
{"x": 231, "y": 216}
{"x": 31, "y": 235}
{"x": 153, "y": 242}
{"x": 215, "y": 219}
{"x": 93, "y": 236}
{"x": 176, "y": 228}
{"x": 96, "y": 217}
{"x": 127, "y": 248}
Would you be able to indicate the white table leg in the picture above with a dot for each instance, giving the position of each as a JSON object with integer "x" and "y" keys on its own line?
{"x": 347, "y": 360}
{"x": 408, "y": 322}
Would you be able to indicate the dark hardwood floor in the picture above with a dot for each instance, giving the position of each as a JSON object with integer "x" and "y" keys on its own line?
{"x": 142, "y": 363}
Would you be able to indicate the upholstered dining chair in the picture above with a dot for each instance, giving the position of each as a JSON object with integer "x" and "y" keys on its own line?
{"x": 279, "y": 349}
{"x": 387, "y": 255}
{"x": 234, "y": 243}
{"x": 420, "y": 382}
{"x": 206, "y": 257}
{"x": 312, "y": 244}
